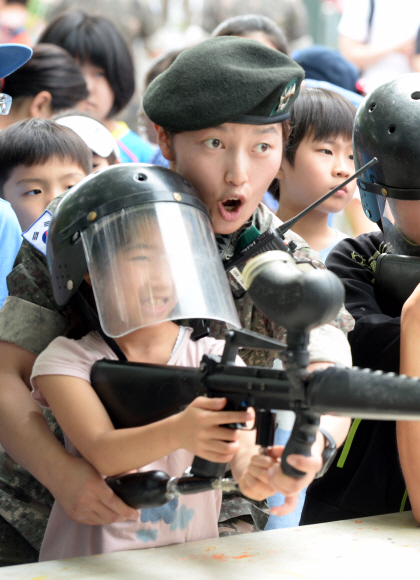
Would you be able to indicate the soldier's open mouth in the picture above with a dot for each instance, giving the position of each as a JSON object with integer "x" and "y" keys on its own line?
{"x": 231, "y": 204}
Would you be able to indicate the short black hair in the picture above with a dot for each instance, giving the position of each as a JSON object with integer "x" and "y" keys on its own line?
{"x": 96, "y": 40}
{"x": 243, "y": 25}
{"x": 51, "y": 69}
{"x": 35, "y": 141}
{"x": 320, "y": 114}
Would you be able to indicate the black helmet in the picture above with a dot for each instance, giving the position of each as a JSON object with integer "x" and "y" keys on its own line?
{"x": 387, "y": 126}
{"x": 98, "y": 195}
{"x": 147, "y": 240}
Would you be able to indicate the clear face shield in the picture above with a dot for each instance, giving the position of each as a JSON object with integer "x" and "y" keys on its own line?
{"x": 401, "y": 225}
{"x": 156, "y": 262}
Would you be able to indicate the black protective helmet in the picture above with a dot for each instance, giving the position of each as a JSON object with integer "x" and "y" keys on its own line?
{"x": 146, "y": 238}
{"x": 387, "y": 126}
{"x": 98, "y": 195}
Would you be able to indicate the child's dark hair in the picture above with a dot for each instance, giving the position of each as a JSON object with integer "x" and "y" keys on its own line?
{"x": 51, "y": 69}
{"x": 320, "y": 114}
{"x": 35, "y": 141}
{"x": 243, "y": 25}
{"x": 96, "y": 40}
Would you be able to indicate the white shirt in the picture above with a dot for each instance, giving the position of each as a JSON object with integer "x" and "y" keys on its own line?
{"x": 392, "y": 23}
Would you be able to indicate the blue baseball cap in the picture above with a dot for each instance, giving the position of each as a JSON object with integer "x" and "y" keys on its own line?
{"x": 322, "y": 63}
{"x": 12, "y": 57}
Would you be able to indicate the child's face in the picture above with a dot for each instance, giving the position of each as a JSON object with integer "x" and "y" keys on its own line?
{"x": 98, "y": 162}
{"x": 101, "y": 96}
{"x": 230, "y": 166}
{"x": 146, "y": 294}
{"x": 406, "y": 215}
{"x": 319, "y": 166}
{"x": 29, "y": 190}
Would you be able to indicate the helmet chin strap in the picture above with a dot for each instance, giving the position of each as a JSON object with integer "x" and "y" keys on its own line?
{"x": 93, "y": 319}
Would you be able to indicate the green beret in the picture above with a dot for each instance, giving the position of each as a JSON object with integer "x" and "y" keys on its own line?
{"x": 226, "y": 79}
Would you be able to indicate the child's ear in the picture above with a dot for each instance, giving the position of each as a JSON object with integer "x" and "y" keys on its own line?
{"x": 280, "y": 174}
{"x": 164, "y": 142}
{"x": 40, "y": 105}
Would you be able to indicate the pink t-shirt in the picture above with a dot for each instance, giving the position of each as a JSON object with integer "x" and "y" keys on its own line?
{"x": 184, "y": 519}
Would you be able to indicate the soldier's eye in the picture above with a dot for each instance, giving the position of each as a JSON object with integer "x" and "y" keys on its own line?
{"x": 33, "y": 192}
{"x": 213, "y": 143}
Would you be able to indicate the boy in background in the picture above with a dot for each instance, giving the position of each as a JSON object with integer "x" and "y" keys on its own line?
{"x": 318, "y": 157}
{"x": 39, "y": 159}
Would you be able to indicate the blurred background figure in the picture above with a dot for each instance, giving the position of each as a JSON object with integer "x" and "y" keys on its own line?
{"x": 50, "y": 82}
{"x": 147, "y": 128}
{"x": 256, "y": 27}
{"x": 379, "y": 37}
{"x": 289, "y": 15}
{"x": 104, "y": 148}
{"x": 14, "y": 23}
{"x": 135, "y": 19}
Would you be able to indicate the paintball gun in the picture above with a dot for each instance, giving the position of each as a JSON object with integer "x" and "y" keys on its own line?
{"x": 136, "y": 394}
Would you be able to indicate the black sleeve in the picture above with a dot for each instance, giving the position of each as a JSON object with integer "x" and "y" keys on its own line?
{"x": 375, "y": 340}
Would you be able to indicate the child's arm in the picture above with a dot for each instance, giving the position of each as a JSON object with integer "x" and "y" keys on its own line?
{"x": 85, "y": 421}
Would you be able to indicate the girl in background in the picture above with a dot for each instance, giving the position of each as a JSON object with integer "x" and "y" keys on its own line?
{"x": 107, "y": 66}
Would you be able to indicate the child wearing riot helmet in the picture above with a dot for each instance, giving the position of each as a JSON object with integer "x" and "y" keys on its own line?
{"x": 366, "y": 478}
{"x": 318, "y": 156}
{"x": 139, "y": 283}
{"x": 39, "y": 160}
{"x": 262, "y": 76}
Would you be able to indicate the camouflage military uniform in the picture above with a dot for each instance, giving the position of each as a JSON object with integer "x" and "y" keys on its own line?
{"x": 31, "y": 319}
{"x": 289, "y": 15}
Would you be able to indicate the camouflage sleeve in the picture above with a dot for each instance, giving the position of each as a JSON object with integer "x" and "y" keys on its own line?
{"x": 30, "y": 317}
{"x": 329, "y": 344}
{"x": 29, "y": 325}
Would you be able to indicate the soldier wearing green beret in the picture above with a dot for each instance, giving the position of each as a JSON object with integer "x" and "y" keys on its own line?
{"x": 220, "y": 111}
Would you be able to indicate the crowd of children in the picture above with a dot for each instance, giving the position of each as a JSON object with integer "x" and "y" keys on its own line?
{"x": 233, "y": 127}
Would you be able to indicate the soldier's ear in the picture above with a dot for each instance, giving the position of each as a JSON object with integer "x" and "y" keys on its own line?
{"x": 165, "y": 143}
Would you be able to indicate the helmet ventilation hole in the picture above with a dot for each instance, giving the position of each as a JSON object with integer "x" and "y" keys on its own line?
{"x": 415, "y": 95}
{"x": 372, "y": 107}
{"x": 140, "y": 177}
{"x": 392, "y": 129}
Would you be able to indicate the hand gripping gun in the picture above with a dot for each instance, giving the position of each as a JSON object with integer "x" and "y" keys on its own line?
{"x": 137, "y": 394}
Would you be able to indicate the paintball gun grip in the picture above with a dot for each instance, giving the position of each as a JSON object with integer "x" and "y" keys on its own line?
{"x": 301, "y": 439}
{"x": 140, "y": 490}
